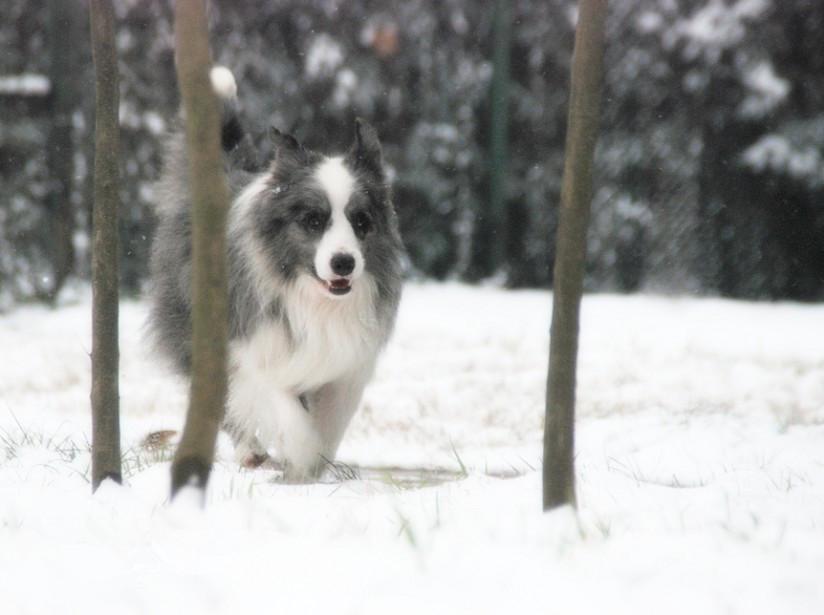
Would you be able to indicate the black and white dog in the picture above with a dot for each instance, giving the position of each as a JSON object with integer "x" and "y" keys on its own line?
{"x": 314, "y": 259}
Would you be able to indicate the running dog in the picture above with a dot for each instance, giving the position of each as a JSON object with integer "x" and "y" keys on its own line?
{"x": 314, "y": 258}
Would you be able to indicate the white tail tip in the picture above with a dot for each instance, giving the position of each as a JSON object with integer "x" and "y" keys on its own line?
{"x": 223, "y": 82}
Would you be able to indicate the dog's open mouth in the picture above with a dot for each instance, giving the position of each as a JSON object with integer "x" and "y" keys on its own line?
{"x": 338, "y": 286}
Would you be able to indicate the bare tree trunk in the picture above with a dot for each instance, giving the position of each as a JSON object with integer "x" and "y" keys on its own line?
{"x": 210, "y": 198}
{"x": 105, "y": 394}
{"x": 570, "y": 254}
{"x": 60, "y": 147}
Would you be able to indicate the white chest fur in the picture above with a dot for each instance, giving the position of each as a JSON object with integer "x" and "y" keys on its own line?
{"x": 325, "y": 340}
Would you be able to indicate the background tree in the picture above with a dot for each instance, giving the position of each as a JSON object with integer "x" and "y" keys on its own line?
{"x": 570, "y": 254}
{"x": 708, "y": 169}
{"x": 492, "y": 240}
{"x": 63, "y": 42}
{"x": 195, "y": 454}
{"x": 105, "y": 396}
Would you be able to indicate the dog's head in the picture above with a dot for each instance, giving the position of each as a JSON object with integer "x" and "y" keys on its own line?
{"x": 326, "y": 218}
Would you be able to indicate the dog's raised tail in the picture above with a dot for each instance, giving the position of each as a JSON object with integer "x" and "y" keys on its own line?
{"x": 233, "y": 138}
{"x": 223, "y": 83}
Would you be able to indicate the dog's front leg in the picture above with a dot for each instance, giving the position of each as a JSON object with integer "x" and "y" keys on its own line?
{"x": 249, "y": 452}
{"x": 278, "y": 418}
{"x": 293, "y": 430}
{"x": 333, "y": 406}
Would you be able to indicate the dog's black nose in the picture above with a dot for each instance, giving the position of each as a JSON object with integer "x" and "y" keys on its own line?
{"x": 343, "y": 264}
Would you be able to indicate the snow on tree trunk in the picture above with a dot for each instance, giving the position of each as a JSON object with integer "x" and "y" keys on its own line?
{"x": 570, "y": 254}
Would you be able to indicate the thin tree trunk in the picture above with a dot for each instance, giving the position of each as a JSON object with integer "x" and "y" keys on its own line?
{"x": 570, "y": 254}
{"x": 195, "y": 454}
{"x": 105, "y": 354}
{"x": 60, "y": 147}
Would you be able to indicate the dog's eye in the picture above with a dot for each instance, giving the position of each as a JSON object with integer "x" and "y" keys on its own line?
{"x": 363, "y": 223}
{"x": 313, "y": 221}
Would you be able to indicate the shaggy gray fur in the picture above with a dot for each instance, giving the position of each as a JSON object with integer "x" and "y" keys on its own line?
{"x": 289, "y": 246}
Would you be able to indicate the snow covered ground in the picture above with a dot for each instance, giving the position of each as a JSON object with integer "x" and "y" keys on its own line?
{"x": 700, "y": 472}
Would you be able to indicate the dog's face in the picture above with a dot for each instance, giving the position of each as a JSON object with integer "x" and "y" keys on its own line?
{"x": 329, "y": 219}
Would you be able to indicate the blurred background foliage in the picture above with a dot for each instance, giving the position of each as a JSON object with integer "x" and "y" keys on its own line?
{"x": 709, "y": 174}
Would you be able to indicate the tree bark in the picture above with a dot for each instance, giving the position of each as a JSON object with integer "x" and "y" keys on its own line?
{"x": 195, "y": 454}
{"x": 105, "y": 395}
{"x": 570, "y": 254}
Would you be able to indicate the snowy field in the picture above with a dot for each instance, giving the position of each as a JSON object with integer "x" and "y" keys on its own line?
{"x": 700, "y": 472}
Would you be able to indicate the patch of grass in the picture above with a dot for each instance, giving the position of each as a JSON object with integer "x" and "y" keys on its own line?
{"x": 464, "y": 471}
{"x": 241, "y": 486}
{"x": 137, "y": 459}
{"x": 406, "y": 530}
{"x": 341, "y": 471}
{"x": 65, "y": 448}
{"x": 133, "y": 460}
{"x": 12, "y": 441}
{"x": 603, "y": 527}
{"x": 412, "y": 478}
{"x": 635, "y": 473}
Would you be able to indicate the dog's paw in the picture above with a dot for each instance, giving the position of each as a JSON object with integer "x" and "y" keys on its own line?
{"x": 255, "y": 460}
{"x": 250, "y": 454}
{"x": 303, "y": 474}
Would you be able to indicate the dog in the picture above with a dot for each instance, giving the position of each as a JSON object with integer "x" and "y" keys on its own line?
{"x": 314, "y": 263}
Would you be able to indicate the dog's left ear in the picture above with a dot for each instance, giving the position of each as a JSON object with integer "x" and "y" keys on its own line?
{"x": 365, "y": 152}
{"x": 287, "y": 148}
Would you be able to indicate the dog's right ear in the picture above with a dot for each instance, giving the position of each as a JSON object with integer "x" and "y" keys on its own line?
{"x": 365, "y": 152}
{"x": 287, "y": 148}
